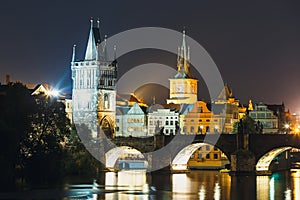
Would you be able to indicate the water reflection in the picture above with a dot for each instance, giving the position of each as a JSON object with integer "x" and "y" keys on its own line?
{"x": 263, "y": 187}
{"x": 193, "y": 185}
{"x": 126, "y": 185}
{"x": 296, "y": 183}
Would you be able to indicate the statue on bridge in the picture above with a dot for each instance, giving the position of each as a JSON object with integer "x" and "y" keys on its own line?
{"x": 259, "y": 127}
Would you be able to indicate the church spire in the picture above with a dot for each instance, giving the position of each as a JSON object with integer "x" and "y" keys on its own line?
{"x": 91, "y": 49}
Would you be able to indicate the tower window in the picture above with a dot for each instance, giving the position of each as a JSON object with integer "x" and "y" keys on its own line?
{"x": 106, "y": 101}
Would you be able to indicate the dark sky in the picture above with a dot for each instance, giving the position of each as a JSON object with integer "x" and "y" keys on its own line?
{"x": 255, "y": 44}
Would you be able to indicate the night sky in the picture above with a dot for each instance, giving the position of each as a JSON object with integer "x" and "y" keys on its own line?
{"x": 256, "y": 45}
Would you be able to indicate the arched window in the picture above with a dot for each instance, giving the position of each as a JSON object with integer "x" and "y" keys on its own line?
{"x": 106, "y": 101}
{"x": 184, "y": 129}
{"x": 192, "y": 129}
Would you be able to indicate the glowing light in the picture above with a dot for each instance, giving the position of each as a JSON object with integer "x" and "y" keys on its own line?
{"x": 287, "y": 126}
{"x": 53, "y": 93}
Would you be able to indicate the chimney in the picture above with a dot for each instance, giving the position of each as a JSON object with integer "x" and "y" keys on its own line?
{"x": 7, "y": 79}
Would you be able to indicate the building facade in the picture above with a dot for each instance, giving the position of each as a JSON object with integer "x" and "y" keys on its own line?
{"x": 131, "y": 121}
{"x": 163, "y": 121}
{"x": 266, "y": 117}
{"x": 195, "y": 119}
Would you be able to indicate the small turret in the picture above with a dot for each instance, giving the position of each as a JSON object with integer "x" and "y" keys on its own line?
{"x": 74, "y": 53}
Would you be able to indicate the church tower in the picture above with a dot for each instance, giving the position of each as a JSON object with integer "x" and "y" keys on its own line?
{"x": 94, "y": 85}
{"x": 183, "y": 87}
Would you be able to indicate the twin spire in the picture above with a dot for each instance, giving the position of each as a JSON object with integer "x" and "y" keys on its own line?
{"x": 183, "y": 60}
{"x": 95, "y": 50}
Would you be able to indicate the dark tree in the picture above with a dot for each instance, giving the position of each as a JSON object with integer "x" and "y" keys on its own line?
{"x": 42, "y": 148}
{"x": 17, "y": 106}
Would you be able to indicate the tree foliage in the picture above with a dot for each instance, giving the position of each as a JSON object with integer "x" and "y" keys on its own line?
{"x": 37, "y": 140}
{"x": 17, "y": 106}
{"x": 43, "y": 145}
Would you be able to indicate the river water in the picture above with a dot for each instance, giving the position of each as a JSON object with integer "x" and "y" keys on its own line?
{"x": 192, "y": 185}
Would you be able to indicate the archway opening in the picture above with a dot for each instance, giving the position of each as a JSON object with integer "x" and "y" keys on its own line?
{"x": 199, "y": 156}
{"x": 264, "y": 162}
{"x": 106, "y": 127}
{"x": 125, "y": 158}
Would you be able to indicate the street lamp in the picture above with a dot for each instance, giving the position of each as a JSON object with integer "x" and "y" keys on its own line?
{"x": 216, "y": 128}
{"x": 201, "y": 129}
{"x": 287, "y": 127}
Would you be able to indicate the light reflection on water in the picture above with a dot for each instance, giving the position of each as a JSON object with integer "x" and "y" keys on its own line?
{"x": 138, "y": 185}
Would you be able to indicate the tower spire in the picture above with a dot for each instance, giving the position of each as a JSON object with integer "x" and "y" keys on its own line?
{"x": 115, "y": 52}
{"x": 98, "y": 22}
{"x": 178, "y": 60}
{"x": 74, "y": 53}
{"x": 104, "y": 50}
{"x": 91, "y": 49}
{"x": 183, "y": 59}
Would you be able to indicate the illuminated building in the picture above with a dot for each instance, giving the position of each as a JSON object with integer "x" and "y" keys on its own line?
{"x": 94, "y": 86}
{"x": 162, "y": 120}
{"x": 225, "y": 118}
{"x": 130, "y": 121}
{"x": 195, "y": 118}
{"x": 266, "y": 117}
{"x": 183, "y": 87}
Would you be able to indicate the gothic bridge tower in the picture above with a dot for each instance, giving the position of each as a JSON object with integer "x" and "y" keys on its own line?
{"x": 94, "y": 85}
{"x": 183, "y": 86}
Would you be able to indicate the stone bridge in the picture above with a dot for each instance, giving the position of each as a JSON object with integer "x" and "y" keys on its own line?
{"x": 248, "y": 153}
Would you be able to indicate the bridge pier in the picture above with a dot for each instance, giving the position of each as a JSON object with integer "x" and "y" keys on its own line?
{"x": 242, "y": 163}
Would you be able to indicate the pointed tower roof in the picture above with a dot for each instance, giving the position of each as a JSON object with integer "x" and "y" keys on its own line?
{"x": 91, "y": 49}
{"x": 183, "y": 66}
{"x": 225, "y": 93}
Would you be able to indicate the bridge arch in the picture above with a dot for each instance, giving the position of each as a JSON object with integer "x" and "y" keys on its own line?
{"x": 180, "y": 161}
{"x": 264, "y": 162}
{"x": 114, "y": 154}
